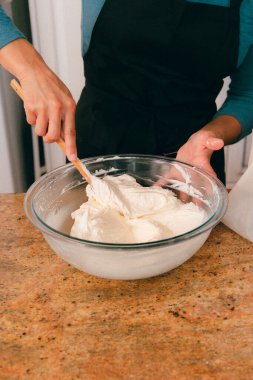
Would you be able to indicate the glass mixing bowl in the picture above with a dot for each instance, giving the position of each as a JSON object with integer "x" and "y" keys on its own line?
{"x": 50, "y": 201}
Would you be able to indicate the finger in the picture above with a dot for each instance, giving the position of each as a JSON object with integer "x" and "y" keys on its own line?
{"x": 214, "y": 143}
{"x": 41, "y": 124}
{"x": 54, "y": 126}
{"x": 70, "y": 132}
{"x": 30, "y": 116}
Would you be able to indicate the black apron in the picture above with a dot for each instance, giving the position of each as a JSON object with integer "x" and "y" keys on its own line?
{"x": 153, "y": 71}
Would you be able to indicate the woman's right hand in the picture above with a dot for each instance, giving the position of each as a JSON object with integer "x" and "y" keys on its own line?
{"x": 48, "y": 103}
{"x": 49, "y": 106}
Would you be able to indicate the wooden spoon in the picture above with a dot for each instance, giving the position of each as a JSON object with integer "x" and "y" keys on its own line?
{"x": 61, "y": 143}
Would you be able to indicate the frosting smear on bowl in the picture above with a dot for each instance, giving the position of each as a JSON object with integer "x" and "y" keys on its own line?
{"x": 121, "y": 211}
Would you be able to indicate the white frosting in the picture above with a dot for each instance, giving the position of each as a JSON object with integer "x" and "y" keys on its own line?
{"x": 119, "y": 210}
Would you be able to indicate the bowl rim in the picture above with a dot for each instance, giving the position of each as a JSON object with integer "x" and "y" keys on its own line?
{"x": 210, "y": 223}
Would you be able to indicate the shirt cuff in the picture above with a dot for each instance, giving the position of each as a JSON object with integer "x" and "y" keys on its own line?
{"x": 8, "y": 31}
{"x": 242, "y": 113}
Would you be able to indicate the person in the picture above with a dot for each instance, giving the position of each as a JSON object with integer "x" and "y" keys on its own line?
{"x": 153, "y": 71}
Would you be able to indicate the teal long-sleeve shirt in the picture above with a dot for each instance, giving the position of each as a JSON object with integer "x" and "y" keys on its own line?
{"x": 239, "y": 102}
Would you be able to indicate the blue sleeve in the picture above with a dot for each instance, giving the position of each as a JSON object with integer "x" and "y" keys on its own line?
{"x": 239, "y": 102}
{"x": 8, "y": 31}
{"x": 90, "y": 12}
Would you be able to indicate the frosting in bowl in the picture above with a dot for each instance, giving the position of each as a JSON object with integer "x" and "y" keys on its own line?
{"x": 120, "y": 210}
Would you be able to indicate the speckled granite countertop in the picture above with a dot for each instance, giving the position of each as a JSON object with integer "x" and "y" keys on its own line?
{"x": 195, "y": 322}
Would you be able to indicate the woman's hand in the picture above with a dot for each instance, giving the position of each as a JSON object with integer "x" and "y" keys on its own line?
{"x": 198, "y": 150}
{"x": 48, "y": 103}
{"x": 49, "y": 106}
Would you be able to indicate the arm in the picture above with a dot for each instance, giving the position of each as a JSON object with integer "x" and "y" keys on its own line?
{"x": 48, "y": 103}
{"x": 239, "y": 102}
{"x": 231, "y": 123}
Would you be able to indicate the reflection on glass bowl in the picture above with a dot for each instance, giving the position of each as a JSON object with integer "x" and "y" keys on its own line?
{"x": 50, "y": 201}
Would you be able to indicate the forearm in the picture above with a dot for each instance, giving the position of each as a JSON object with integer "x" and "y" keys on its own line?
{"x": 20, "y": 58}
{"x": 224, "y": 127}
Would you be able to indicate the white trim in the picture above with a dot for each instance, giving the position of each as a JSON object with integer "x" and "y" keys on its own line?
{"x": 6, "y": 171}
{"x": 247, "y": 151}
{"x": 12, "y": 166}
{"x": 236, "y": 155}
{"x": 36, "y": 155}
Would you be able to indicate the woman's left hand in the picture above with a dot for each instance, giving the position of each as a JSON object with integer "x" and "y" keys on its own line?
{"x": 198, "y": 150}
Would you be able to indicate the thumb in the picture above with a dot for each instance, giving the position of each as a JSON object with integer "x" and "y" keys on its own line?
{"x": 213, "y": 143}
